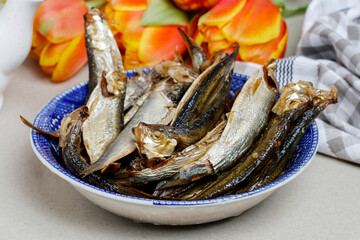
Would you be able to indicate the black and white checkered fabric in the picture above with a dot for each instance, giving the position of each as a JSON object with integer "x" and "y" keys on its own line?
{"x": 329, "y": 54}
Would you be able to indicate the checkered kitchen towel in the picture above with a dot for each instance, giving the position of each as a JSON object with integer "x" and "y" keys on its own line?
{"x": 329, "y": 54}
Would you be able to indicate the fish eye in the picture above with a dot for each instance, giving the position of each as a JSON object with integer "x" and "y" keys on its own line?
{"x": 316, "y": 100}
{"x": 157, "y": 135}
{"x": 294, "y": 104}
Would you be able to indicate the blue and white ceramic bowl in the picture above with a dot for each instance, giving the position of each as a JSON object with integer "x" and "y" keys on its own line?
{"x": 158, "y": 211}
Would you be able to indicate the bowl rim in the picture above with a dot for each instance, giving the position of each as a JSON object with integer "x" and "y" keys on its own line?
{"x": 76, "y": 182}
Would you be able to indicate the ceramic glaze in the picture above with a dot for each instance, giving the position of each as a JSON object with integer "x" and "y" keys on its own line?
{"x": 16, "y": 27}
{"x": 159, "y": 211}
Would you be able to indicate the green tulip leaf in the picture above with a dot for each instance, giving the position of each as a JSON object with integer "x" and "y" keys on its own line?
{"x": 286, "y": 12}
{"x": 280, "y": 3}
{"x": 45, "y": 27}
{"x": 162, "y": 13}
{"x": 95, "y": 3}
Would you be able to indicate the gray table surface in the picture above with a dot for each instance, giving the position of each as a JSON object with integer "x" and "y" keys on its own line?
{"x": 322, "y": 203}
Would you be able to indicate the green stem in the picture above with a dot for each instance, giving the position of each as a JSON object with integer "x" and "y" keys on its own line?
{"x": 286, "y": 12}
{"x": 293, "y": 12}
{"x": 95, "y": 3}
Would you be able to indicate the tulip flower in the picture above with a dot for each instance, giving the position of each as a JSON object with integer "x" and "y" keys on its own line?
{"x": 58, "y": 37}
{"x": 255, "y": 25}
{"x": 142, "y": 40}
{"x": 191, "y": 5}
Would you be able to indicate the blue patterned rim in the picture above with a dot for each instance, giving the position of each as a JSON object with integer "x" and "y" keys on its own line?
{"x": 49, "y": 119}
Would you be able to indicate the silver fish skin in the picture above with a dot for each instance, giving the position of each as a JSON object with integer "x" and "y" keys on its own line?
{"x": 138, "y": 85}
{"x": 157, "y": 141}
{"x": 106, "y": 100}
{"x": 248, "y": 116}
{"x": 157, "y": 108}
{"x": 171, "y": 166}
{"x": 192, "y": 89}
{"x": 135, "y": 107}
{"x": 105, "y": 119}
{"x": 101, "y": 47}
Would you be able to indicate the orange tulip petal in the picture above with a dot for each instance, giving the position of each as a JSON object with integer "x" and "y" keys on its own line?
{"x": 190, "y": 5}
{"x": 213, "y": 34}
{"x": 71, "y": 60}
{"x": 221, "y": 13}
{"x": 260, "y": 53}
{"x": 279, "y": 52}
{"x": 38, "y": 43}
{"x": 132, "y": 34}
{"x": 216, "y": 46}
{"x": 193, "y": 24}
{"x": 34, "y": 54}
{"x": 129, "y": 5}
{"x": 48, "y": 69}
{"x": 122, "y": 19}
{"x": 38, "y": 40}
{"x": 51, "y": 53}
{"x": 198, "y": 37}
{"x": 131, "y": 58}
{"x": 60, "y": 20}
{"x": 257, "y": 22}
{"x": 159, "y": 43}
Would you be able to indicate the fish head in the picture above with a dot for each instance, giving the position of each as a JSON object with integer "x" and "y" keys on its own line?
{"x": 323, "y": 98}
{"x": 96, "y": 30}
{"x": 293, "y": 97}
{"x": 70, "y": 128}
{"x": 113, "y": 83}
{"x": 154, "y": 141}
{"x": 178, "y": 71}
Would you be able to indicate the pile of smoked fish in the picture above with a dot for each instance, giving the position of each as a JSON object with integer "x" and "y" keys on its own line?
{"x": 173, "y": 133}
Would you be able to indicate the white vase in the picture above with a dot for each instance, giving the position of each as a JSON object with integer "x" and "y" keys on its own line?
{"x": 16, "y": 27}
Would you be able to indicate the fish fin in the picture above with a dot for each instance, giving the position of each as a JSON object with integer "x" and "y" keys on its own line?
{"x": 54, "y": 134}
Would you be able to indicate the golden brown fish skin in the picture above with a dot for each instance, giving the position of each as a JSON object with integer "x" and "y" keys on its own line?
{"x": 247, "y": 118}
{"x": 75, "y": 162}
{"x": 154, "y": 140}
{"x": 320, "y": 100}
{"x": 277, "y": 164}
{"x": 192, "y": 189}
{"x": 169, "y": 167}
{"x": 196, "y": 52}
{"x": 158, "y": 141}
{"x": 216, "y": 80}
{"x": 193, "y": 88}
{"x": 290, "y": 106}
{"x": 188, "y": 135}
